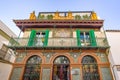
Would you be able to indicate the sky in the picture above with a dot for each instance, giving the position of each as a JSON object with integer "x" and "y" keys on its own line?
{"x": 108, "y": 10}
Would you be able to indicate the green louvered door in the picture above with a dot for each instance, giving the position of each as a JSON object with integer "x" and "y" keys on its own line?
{"x": 92, "y": 38}
{"x": 46, "y": 37}
{"x": 32, "y": 38}
{"x": 78, "y": 37}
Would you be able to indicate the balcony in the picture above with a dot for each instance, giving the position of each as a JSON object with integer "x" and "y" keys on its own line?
{"x": 56, "y": 43}
{"x": 2, "y": 54}
{"x": 5, "y": 56}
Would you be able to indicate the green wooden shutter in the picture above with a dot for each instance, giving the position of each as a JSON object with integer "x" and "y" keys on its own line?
{"x": 46, "y": 37}
{"x": 92, "y": 38}
{"x": 32, "y": 37}
{"x": 78, "y": 37}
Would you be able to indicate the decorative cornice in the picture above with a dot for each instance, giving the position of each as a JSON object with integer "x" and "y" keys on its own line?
{"x": 22, "y": 24}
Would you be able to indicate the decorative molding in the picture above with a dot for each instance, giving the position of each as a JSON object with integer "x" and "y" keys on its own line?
{"x": 59, "y": 23}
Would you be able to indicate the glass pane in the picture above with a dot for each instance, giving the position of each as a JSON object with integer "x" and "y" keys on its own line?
{"x": 34, "y": 60}
{"x": 88, "y": 60}
{"x": 89, "y": 68}
{"x": 81, "y": 37}
{"x": 32, "y": 69}
{"x": 61, "y": 68}
{"x": 40, "y": 38}
{"x": 87, "y": 37}
{"x": 61, "y": 72}
{"x": 61, "y": 60}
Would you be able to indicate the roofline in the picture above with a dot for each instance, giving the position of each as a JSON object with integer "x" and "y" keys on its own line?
{"x": 112, "y": 30}
{"x": 50, "y": 23}
{"x": 4, "y": 27}
{"x": 67, "y": 12}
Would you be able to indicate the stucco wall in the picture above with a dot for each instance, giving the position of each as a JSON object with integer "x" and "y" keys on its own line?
{"x": 5, "y": 70}
{"x": 114, "y": 55}
{"x": 4, "y": 28}
{"x": 26, "y": 34}
{"x": 99, "y": 34}
{"x": 3, "y": 40}
{"x": 114, "y": 42}
{"x": 1, "y": 44}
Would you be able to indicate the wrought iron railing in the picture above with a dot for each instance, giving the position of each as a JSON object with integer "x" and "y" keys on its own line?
{"x": 55, "y": 42}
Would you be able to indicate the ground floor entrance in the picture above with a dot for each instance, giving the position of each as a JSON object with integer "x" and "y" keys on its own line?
{"x": 61, "y": 68}
{"x": 61, "y": 72}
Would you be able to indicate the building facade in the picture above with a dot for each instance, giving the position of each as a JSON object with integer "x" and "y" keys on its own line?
{"x": 61, "y": 46}
{"x": 7, "y": 56}
{"x": 113, "y": 39}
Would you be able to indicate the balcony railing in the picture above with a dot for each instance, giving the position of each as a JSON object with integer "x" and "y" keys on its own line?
{"x": 2, "y": 54}
{"x": 55, "y": 42}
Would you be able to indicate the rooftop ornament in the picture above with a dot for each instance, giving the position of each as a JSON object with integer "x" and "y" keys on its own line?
{"x": 57, "y": 16}
{"x": 94, "y": 16}
{"x": 32, "y": 16}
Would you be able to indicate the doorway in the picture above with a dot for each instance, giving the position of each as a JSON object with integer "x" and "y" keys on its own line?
{"x": 61, "y": 68}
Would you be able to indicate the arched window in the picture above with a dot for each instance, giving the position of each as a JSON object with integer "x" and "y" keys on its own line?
{"x": 61, "y": 60}
{"x": 32, "y": 68}
{"x": 89, "y": 68}
{"x": 61, "y": 68}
